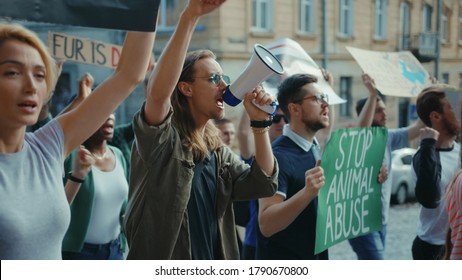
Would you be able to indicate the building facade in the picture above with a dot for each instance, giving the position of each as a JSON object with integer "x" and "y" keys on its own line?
{"x": 324, "y": 28}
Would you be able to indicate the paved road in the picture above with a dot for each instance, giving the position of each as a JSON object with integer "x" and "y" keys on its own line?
{"x": 401, "y": 232}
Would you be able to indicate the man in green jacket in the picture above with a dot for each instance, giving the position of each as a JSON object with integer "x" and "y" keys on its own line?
{"x": 184, "y": 180}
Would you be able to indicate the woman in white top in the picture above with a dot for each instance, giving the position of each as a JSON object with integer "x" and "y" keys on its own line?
{"x": 97, "y": 189}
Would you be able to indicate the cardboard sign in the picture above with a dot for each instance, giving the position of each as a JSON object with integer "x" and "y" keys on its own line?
{"x": 295, "y": 60}
{"x": 139, "y": 15}
{"x": 349, "y": 204}
{"x": 63, "y": 46}
{"x": 395, "y": 73}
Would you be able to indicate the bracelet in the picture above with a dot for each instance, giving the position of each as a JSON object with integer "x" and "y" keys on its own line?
{"x": 261, "y": 124}
{"x": 74, "y": 179}
{"x": 260, "y": 130}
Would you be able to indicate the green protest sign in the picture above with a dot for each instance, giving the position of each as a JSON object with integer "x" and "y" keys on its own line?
{"x": 349, "y": 204}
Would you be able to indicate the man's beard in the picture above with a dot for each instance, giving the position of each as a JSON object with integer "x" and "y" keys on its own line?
{"x": 313, "y": 126}
{"x": 452, "y": 126}
{"x": 374, "y": 124}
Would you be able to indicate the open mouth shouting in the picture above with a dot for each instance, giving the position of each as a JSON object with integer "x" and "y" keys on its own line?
{"x": 28, "y": 106}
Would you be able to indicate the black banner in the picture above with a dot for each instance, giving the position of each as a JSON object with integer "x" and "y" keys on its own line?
{"x": 138, "y": 15}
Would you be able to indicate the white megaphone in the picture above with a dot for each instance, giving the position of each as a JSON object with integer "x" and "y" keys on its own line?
{"x": 262, "y": 65}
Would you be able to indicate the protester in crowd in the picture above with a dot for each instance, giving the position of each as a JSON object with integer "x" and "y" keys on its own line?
{"x": 276, "y": 130}
{"x": 246, "y": 147}
{"x": 227, "y": 131}
{"x": 34, "y": 213}
{"x": 123, "y": 133}
{"x": 227, "y": 135}
{"x": 453, "y": 246}
{"x": 184, "y": 179}
{"x": 434, "y": 165}
{"x": 287, "y": 220}
{"x": 97, "y": 190}
{"x": 371, "y": 111}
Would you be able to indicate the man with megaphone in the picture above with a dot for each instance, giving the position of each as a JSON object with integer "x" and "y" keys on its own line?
{"x": 184, "y": 179}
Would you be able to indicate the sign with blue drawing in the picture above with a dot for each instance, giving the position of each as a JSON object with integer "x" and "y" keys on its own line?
{"x": 395, "y": 73}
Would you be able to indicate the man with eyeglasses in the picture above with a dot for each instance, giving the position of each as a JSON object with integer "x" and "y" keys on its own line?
{"x": 184, "y": 179}
{"x": 371, "y": 111}
{"x": 287, "y": 220}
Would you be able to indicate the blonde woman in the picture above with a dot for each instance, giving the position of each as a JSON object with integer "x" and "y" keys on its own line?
{"x": 34, "y": 212}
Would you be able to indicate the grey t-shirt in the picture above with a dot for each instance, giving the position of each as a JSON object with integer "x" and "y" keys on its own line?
{"x": 34, "y": 213}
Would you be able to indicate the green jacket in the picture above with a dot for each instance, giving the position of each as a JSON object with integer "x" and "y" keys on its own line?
{"x": 156, "y": 221}
{"x": 82, "y": 206}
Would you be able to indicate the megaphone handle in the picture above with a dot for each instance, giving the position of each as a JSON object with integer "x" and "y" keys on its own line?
{"x": 270, "y": 109}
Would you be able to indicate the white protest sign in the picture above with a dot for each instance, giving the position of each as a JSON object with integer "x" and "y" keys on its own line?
{"x": 82, "y": 50}
{"x": 295, "y": 60}
{"x": 395, "y": 73}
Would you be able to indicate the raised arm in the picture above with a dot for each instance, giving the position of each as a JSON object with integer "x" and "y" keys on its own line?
{"x": 263, "y": 152}
{"x": 85, "y": 87}
{"x": 81, "y": 122}
{"x": 277, "y": 213}
{"x": 81, "y": 166}
{"x": 168, "y": 68}
{"x": 427, "y": 167}
{"x": 323, "y": 134}
{"x": 414, "y": 129}
{"x": 245, "y": 137}
{"x": 366, "y": 116}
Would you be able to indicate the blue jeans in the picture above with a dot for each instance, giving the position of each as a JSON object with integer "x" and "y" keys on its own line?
{"x": 370, "y": 246}
{"x": 108, "y": 251}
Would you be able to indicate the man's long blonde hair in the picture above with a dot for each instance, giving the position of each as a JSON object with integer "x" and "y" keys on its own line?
{"x": 191, "y": 138}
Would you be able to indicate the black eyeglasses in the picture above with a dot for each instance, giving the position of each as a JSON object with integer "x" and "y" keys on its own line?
{"x": 319, "y": 97}
{"x": 277, "y": 118}
{"x": 216, "y": 79}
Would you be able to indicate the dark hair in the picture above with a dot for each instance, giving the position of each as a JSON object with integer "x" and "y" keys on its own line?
{"x": 429, "y": 100}
{"x": 290, "y": 90}
{"x": 361, "y": 102}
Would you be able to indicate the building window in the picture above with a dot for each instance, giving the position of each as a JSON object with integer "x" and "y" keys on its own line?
{"x": 445, "y": 78}
{"x": 460, "y": 80}
{"x": 345, "y": 93}
{"x": 307, "y": 17}
{"x": 261, "y": 15}
{"x": 405, "y": 26}
{"x": 169, "y": 14}
{"x": 460, "y": 24}
{"x": 381, "y": 19}
{"x": 427, "y": 18}
{"x": 445, "y": 26}
{"x": 345, "y": 18}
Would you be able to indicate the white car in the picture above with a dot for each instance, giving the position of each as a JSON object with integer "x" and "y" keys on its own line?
{"x": 403, "y": 188}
